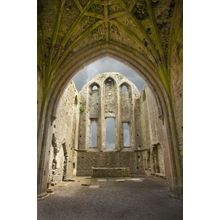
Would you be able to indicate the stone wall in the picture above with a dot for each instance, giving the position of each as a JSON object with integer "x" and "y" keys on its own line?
{"x": 107, "y": 101}
{"x": 111, "y": 172}
{"x": 153, "y": 135}
{"x": 176, "y": 73}
{"x": 107, "y": 95}
{"x": 64, "y": 138}
{"x": 120, "y": 99}
{"x": 87, "y": 160}
{"x": 71, "y": 150}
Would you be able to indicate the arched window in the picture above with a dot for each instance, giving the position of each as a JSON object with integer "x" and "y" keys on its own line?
{"x": 124, "y": 89}
{"x": 109, "y": 81}
{"x": 94, "y": 87}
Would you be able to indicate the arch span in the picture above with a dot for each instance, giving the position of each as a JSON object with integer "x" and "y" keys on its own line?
{"x": 140, "y": 65}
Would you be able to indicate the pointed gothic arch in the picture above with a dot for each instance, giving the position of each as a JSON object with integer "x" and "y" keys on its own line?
{"x": 94, "y": 87}
{"x": 138, "y": 63}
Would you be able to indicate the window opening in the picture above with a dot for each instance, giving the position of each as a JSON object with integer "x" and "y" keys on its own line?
{"x": 126, "y": 134}
{"x": 109, "y": 81}
{"x": 124, "y": 89}
{"x": 110, "y": 133}
{"x": 95, "y": 88}
{"x": 93, "y": 133}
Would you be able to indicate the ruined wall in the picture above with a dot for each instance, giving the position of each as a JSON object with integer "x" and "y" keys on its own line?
{"x": 64, "y": 138}
{"x": 153, "y": 135}
{"x": 71, "y": 150}
{"x": 87, "y": 160}
{"x": 108, "y": 95}
{"x": 112, "y": 95}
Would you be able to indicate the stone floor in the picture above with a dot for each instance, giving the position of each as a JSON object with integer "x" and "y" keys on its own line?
{"x": 86, "y": 198}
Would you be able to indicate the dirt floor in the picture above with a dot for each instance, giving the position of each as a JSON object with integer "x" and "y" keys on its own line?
{"x": 85, "y": 198}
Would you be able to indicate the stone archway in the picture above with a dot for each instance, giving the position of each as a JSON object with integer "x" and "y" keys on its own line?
{"x": 137, "y": 62}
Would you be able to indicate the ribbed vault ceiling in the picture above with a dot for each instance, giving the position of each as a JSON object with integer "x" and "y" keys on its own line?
{"x": 152, "y": 28}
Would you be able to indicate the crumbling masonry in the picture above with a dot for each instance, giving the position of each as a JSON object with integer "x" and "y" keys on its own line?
{"x": 109, "y": 125}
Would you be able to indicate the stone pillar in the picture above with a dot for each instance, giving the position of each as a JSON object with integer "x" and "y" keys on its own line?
{"x": 102, "y": 119}
{"x": 132, "y": 122}
{"x": 118, "y": 121}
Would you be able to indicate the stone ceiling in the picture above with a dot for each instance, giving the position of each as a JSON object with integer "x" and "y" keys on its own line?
{"x": 150, "y": 27}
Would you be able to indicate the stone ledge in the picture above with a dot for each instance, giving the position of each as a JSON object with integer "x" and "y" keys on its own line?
{"x": 110, "y": 171}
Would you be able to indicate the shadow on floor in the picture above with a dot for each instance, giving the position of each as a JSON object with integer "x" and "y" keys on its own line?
{"x": 110, "y": 199}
